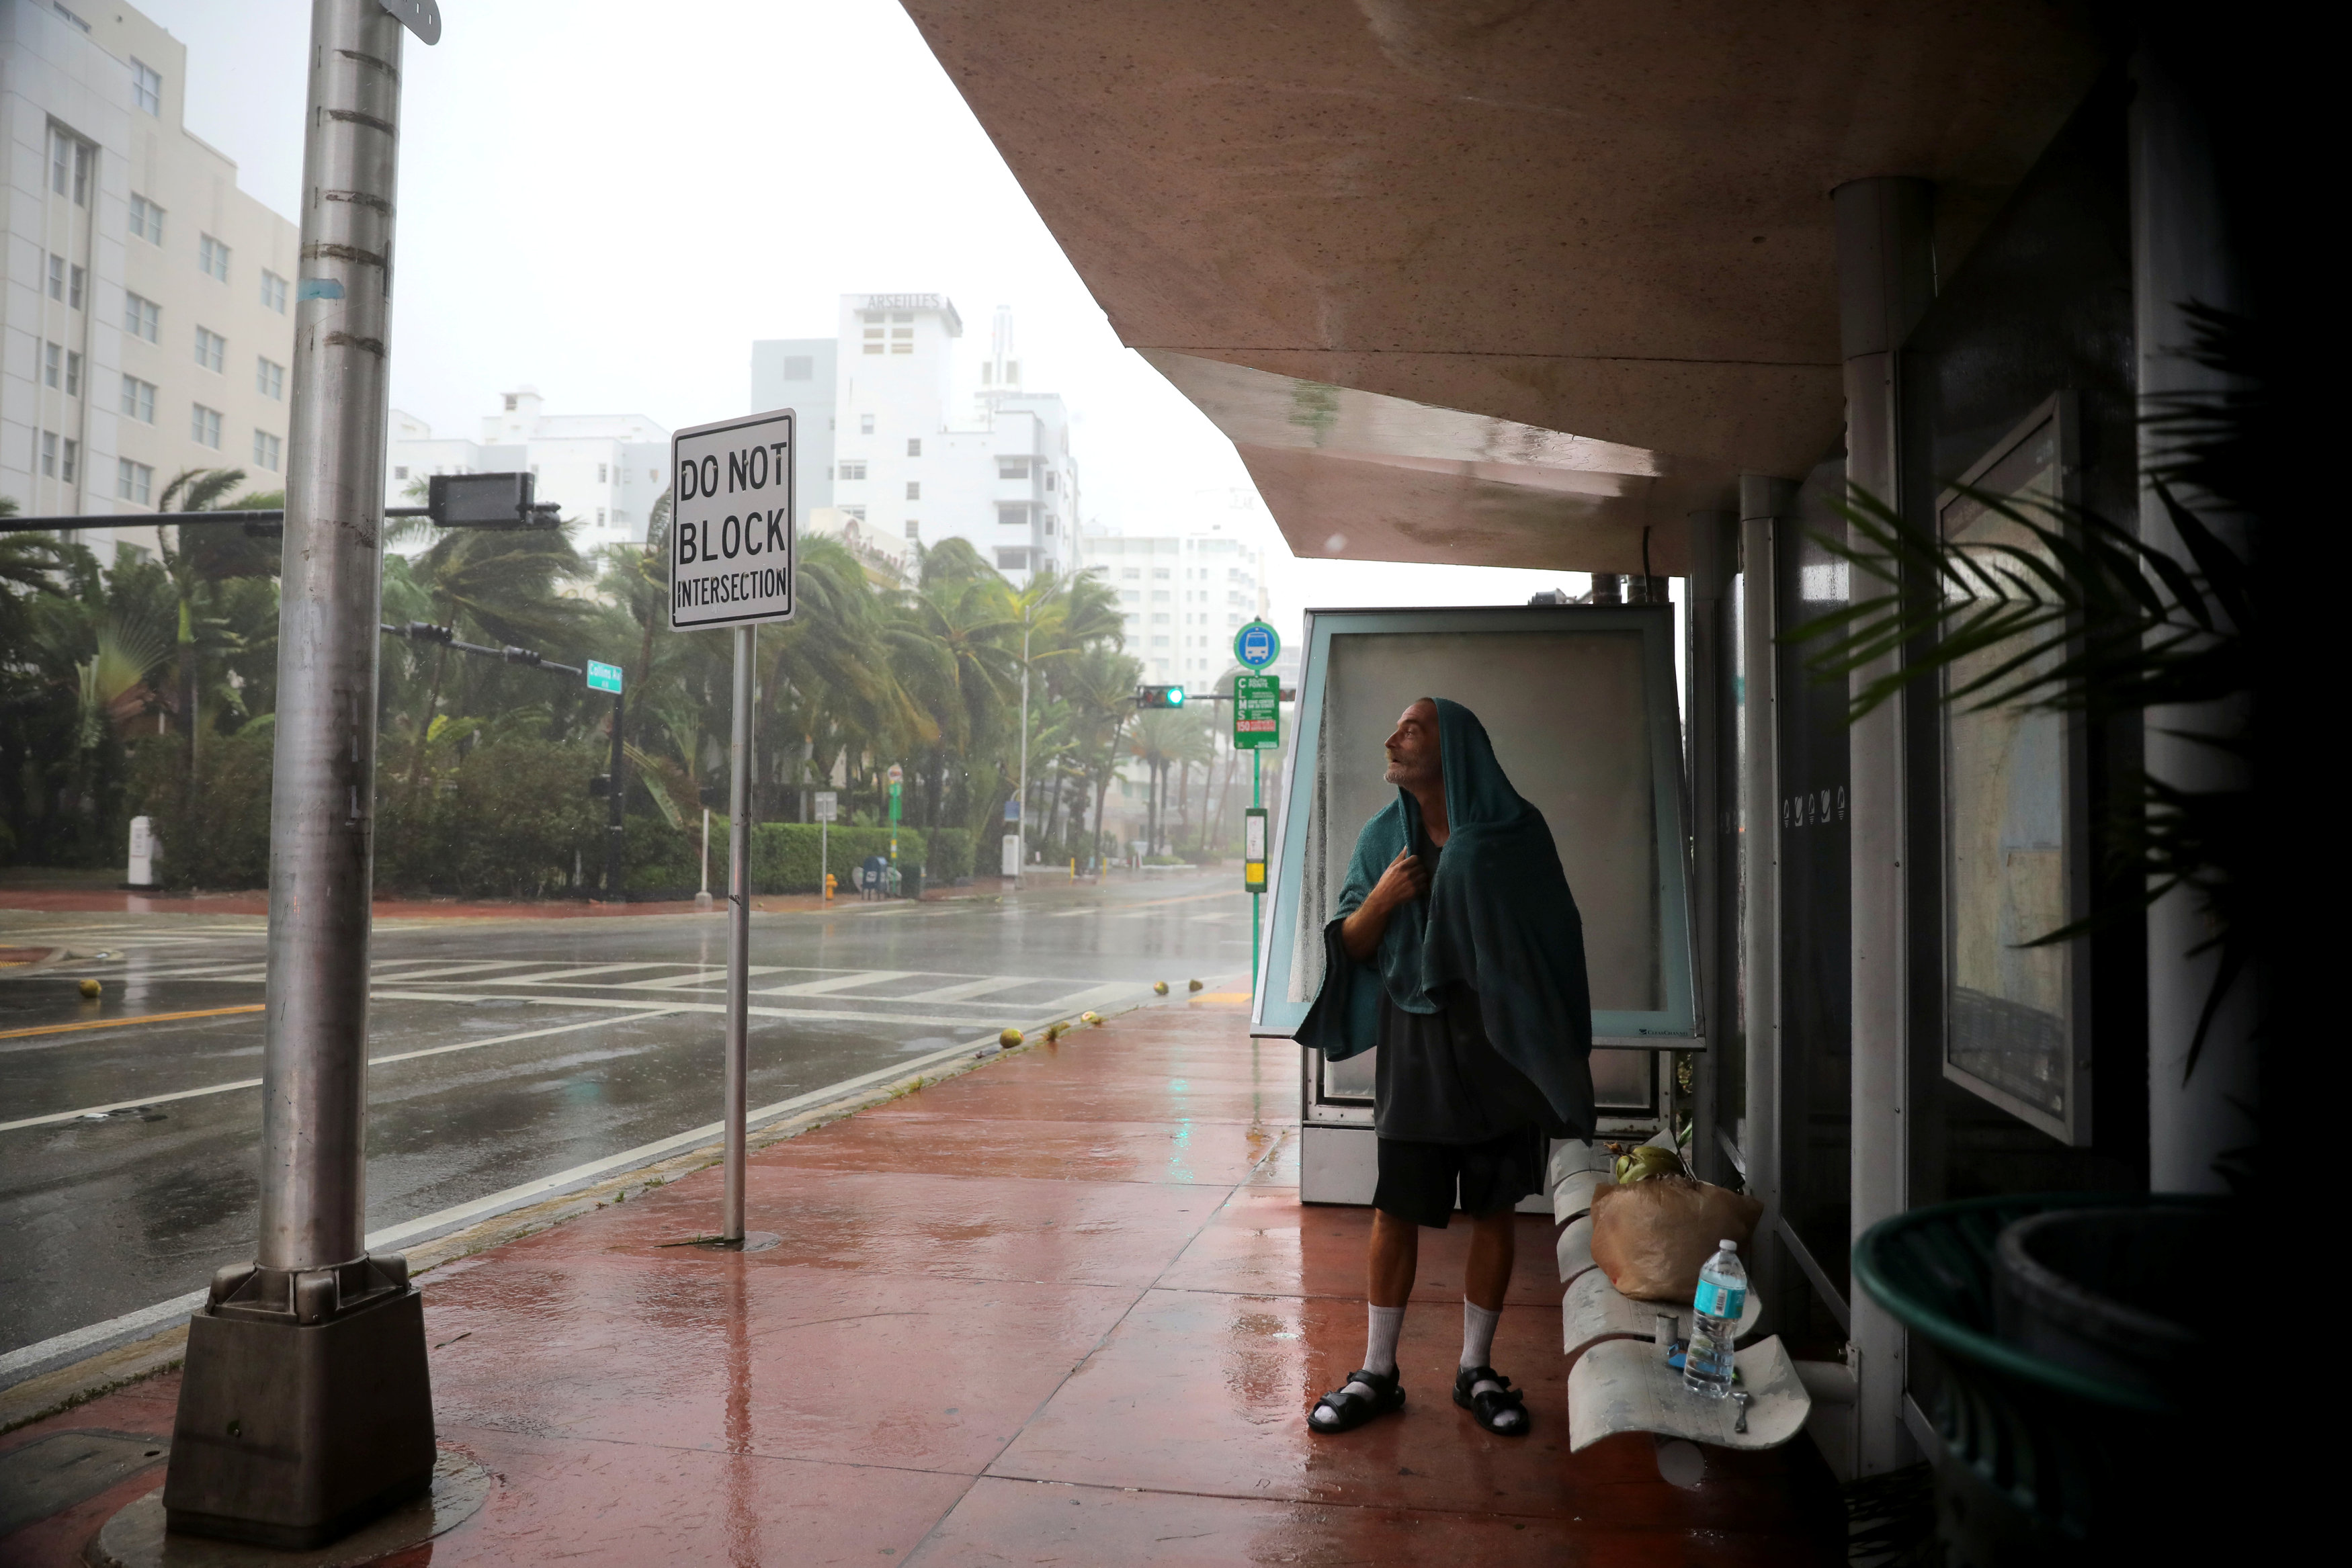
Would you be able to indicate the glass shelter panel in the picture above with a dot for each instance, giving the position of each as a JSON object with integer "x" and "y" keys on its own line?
{"x": 1580, "y": 705}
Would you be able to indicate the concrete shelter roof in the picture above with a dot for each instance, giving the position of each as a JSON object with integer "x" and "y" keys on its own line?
{"x": 1603, "y": 223}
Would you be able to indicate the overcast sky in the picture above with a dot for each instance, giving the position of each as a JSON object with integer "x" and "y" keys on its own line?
{"x": 610, "y": 201}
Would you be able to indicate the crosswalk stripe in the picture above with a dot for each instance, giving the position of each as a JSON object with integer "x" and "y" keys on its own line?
{"x": 842, "y": 983}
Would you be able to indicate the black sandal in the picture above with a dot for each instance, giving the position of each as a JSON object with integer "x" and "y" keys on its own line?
{"x": 1354, "y": 1409}
{"x": 1491, "y": 1403}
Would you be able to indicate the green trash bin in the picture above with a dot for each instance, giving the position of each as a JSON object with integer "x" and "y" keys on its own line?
{"x": 2069, "y": 1400}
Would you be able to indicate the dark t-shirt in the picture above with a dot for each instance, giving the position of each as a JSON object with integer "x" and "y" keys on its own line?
{"x": 1438, "y": 1080}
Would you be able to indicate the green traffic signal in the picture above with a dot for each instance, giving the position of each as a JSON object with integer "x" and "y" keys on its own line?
{"x": 1160, "y": 697}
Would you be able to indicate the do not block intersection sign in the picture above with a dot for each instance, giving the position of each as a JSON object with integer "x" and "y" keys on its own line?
{"x": 730, "y": 533}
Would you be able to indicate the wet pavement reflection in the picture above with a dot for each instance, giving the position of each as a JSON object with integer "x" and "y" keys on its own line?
{"x": 1065, "y": 1309}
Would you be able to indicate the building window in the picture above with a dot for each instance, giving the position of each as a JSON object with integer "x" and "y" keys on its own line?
{"x": 146, "y": 221}
{"x": 49, "y": 454}
{"x": 853, "y": 470}
{"x": 1013, "y": 560}
{"x": 1012, "y": 515}
{"x": 856, "y": 513}
{"x": 72, "y": 460}
{"x": 601, "y": 478}
{"x": 73, "y": 374}
{"x": 865, "y": 425}
{"x": 1131, "y": 597}
{"x": 914, "y": 531}
{"x": 270, "y": 379}
{"x": 266, "y": 450}
{"x": 132, "y": 481}
{"x": 139, "y": 399}
{"x": 1130, "y": 573}
{"x": 1161, "y": 573}
{"x": 914, "y": 447}
{"x": 1160, "y": 641}
{"x": 53, "y": 364}
{"x": 62, "y": 9}
{"x": 800, "y": 368}
{"x": 70, "y": 162}
{"x": 212, "y": 258}
{"x": 147, "y": 87}
{"x": 1013, "y": 467}
{"x": 142, "y": 317}
{"x": 74, "y": 276}
{"x": 212, "y": 350}
{"x": 57, "y": 277}
{"x": 914, "y": 489}
{"x": 600, "y": 517}
{"x": 273, "y": 291}
{"x": 204, "y": 427}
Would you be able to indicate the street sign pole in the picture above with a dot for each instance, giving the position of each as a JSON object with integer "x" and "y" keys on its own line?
{"x": 732, "y": 555}
{"x": 1257, "y": 724}
{"x": 306, "y": 1406}
{"x": 739, "y": 938}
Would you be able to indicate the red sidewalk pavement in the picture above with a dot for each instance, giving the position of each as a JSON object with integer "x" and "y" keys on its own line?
{"x": 1065, "y": 1309}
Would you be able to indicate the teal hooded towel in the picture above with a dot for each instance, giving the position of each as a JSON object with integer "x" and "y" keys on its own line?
{"x": 1498, "y": 918}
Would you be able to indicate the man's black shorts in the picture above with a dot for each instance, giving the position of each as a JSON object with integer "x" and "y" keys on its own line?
{"x": 1418, "y": 1181}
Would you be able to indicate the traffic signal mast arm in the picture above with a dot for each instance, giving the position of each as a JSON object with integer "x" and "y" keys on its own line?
{"x": 425, "y": 631}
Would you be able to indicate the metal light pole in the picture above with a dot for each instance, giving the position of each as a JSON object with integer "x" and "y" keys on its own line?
{"x": 305, "y": 1407}
{"x": 739, "y": 937}
{"x": 615, "y": 822}
{"x": 1021, "y": 822}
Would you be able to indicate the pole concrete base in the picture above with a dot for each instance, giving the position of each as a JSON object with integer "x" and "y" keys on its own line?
{"x": 305, "y": 1408}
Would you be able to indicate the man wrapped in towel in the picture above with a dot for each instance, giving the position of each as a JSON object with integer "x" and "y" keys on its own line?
{"x": 1458, "y": 951}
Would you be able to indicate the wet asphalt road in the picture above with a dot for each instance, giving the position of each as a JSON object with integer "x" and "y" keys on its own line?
{"x": 502, "y": 1053}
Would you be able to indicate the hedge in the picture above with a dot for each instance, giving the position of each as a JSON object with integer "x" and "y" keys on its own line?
{"x": 785, "y": 855}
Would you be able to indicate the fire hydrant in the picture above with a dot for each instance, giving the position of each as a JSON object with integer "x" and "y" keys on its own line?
{"x": 831, "y": 880}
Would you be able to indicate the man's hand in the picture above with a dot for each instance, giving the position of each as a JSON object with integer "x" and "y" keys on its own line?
{"x": 1404, "y": 879}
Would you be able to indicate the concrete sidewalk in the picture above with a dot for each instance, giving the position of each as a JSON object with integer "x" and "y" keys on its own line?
{"x": 1064, "y": 1309}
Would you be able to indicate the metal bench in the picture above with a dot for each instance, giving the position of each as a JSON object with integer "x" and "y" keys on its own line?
{"x": 1619, "y": 1379}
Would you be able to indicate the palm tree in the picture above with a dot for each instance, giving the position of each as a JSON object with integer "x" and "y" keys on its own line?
{"x": 197, "y": 560}
{"x": 499, "y": 587}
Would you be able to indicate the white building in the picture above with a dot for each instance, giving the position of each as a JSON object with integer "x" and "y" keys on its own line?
{"x": 1183, "y": 596}
{"x": 145, "y": 321}
{"x": 605, "y": 470}
{"x": 797, "y": 373}
{"x": 1001, "y": 477}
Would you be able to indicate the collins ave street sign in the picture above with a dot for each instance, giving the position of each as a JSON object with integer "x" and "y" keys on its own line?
{"x": 731, "y": 532}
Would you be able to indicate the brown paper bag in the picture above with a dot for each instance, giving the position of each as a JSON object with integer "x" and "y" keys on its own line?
{"x": 1652, "y": 1237}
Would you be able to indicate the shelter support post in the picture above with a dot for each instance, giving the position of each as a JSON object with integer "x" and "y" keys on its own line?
{"x": 1761, "y": 501}
{"x": 305, "y": 1408}
{"x": 1714, "y": 556}
{"x": 2181, "y": 254}
{"x": 1887, "y": 279}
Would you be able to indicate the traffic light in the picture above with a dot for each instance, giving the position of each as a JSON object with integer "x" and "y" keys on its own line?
{"x": 1160, "y": 697}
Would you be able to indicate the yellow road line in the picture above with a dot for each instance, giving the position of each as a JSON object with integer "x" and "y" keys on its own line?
{"x": 119, "y": 1022}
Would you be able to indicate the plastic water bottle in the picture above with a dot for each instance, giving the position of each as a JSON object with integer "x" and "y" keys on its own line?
{"x": 1715, "y": 1323}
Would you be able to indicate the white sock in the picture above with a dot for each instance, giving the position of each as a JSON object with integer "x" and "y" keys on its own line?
{"x": 1381, "y": 1330}
{"x": 1478, "y": 1350}
{"x": 1382, "y": 1325}
{"x": 1477, "y": 1333}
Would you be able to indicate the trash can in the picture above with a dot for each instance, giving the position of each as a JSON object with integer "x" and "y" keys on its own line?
{"x": 2067, "y": 1369}
{"x": 910, "y": 880}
